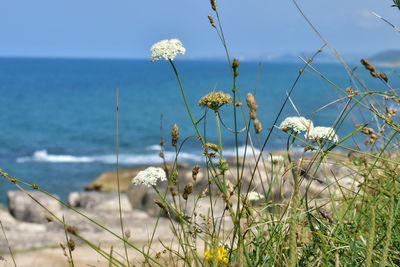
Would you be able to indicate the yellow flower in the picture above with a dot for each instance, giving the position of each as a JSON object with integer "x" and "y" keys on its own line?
{"x": 209, "y": 254}
{"x": 225, "y": 260}
{"x": 222, "y": 255}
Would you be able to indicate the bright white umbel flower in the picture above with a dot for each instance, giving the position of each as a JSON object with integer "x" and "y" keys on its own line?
{"x": 323, "y": 133}
{"x": 254, "y": 196}
{"x": 296, "y": 124}
{"x": 149, "y": 177}
{"x": 167, "y": 49}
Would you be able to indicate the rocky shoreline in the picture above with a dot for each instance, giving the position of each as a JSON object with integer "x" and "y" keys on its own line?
{"x": 27, "y": 224}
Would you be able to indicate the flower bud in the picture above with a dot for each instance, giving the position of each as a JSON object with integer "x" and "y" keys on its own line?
{"x": 374, "y": 74}
{"x": 187, "y": 191}
{"x": 175, "y": 134}
{"x": 211, "y": 19}
{"x": 258, "y": 126}
{"x": 384, "y": 76}
{"x": 213, "y": 4}
{"x": 368, "y": 65}
{"x": 195, "y": 172}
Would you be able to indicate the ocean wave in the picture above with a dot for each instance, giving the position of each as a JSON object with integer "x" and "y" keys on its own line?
{"x": 150, "y": 157}
{"x": 231, "y": 152}
{"x": 156, "y": 147}
{"x": 43, "y": 156}
{"x": 227, "y": 151}
{"x": 124, "y": 159}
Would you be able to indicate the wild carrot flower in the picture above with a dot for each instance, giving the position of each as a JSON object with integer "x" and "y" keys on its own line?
{"x": 221, "y": 255}
{"x": 323, "y": 133}
{"x": 149, "y": 177}
{"x": 254, "y": 196}
{"x": 296, "y": 124}
{"x": 215, "y": 100}
{"x": 167, "y": 49}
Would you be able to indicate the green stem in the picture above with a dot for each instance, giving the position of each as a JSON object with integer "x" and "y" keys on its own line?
{"x": 8, "y": 244}
{"x": 117, "y": 167}
{"x": 218, "y": 123}
{"x": 388, "y": 240}
{"x": 371, "y": 238}
{"x": 185, "y": 100}
{"x": 294, "y": 206}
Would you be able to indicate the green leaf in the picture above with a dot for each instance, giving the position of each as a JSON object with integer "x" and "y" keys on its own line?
{"x": 396, "y": 3}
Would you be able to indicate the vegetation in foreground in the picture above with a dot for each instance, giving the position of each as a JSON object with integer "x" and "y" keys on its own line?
{"x": 353, "y": 224}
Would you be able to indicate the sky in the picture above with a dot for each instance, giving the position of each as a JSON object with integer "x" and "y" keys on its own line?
{"x": 253, "y": 28}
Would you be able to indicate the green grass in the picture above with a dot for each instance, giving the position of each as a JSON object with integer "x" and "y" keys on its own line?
{"x": 351, "y": 225}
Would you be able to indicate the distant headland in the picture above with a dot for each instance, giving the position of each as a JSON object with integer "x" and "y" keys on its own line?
{"x": 389, "y": 58}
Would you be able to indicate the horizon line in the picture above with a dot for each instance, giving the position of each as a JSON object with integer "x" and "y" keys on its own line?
{"x": 218, "y": 59}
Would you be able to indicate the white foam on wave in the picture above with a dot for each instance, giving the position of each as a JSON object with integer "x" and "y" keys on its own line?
{"x": 154, "y": 148}
{"x": 151, "y": 157}
{"x": 231, "y": 152}
{"x": 124, "y": 159}
{"x": 43, "y": 156}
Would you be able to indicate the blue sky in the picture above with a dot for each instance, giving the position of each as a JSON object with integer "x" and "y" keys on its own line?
{"x": 253, "y": 28}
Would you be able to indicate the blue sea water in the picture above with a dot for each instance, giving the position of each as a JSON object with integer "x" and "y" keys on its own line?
{"x": 58, "y": 116}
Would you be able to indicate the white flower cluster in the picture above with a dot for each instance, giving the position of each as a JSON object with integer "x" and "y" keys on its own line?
{"x": 149, "y": 177}
{"x": 296, "y": 124}
{"x": 323, "y": 133}
{"x": 254, "y": 196}
{"x": 167, "y": 49}
{"x": 301, "y": 124}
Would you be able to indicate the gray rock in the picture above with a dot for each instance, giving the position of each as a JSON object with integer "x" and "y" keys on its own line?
{"x": 142, "y": 198}
{"x": 137, "y": 196}
{"x": 24, "y": 208}
{"x": 99, "y": 201}
{"x": 5, "y": 215}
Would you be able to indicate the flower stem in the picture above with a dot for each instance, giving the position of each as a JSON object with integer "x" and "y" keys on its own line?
{"x": 294, "y": 206}
{"x": 185, "y": 100}
{"x": 218, "y": 123}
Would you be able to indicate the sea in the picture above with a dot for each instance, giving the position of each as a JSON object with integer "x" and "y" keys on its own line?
{"x": 58, "y": 116}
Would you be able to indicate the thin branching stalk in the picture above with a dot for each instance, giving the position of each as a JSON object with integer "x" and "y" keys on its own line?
{"x": 388, "y": 238}
{"x": 209, "y": 160}
{"x": 294, "y": 204}
{"x": 117, "y": 166}
{"x": 277, "y": 118}
{"x": 111, "y": 253}
{"x": 371, "y": 238}
{"x": 185, "y": 99}
{"x": 386, "y": 21}
{"x": 166, "y": 190}
{"x": 68, "y": 244}
{"x": 350, "y": 72}
{"x": 8, "y": 244}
